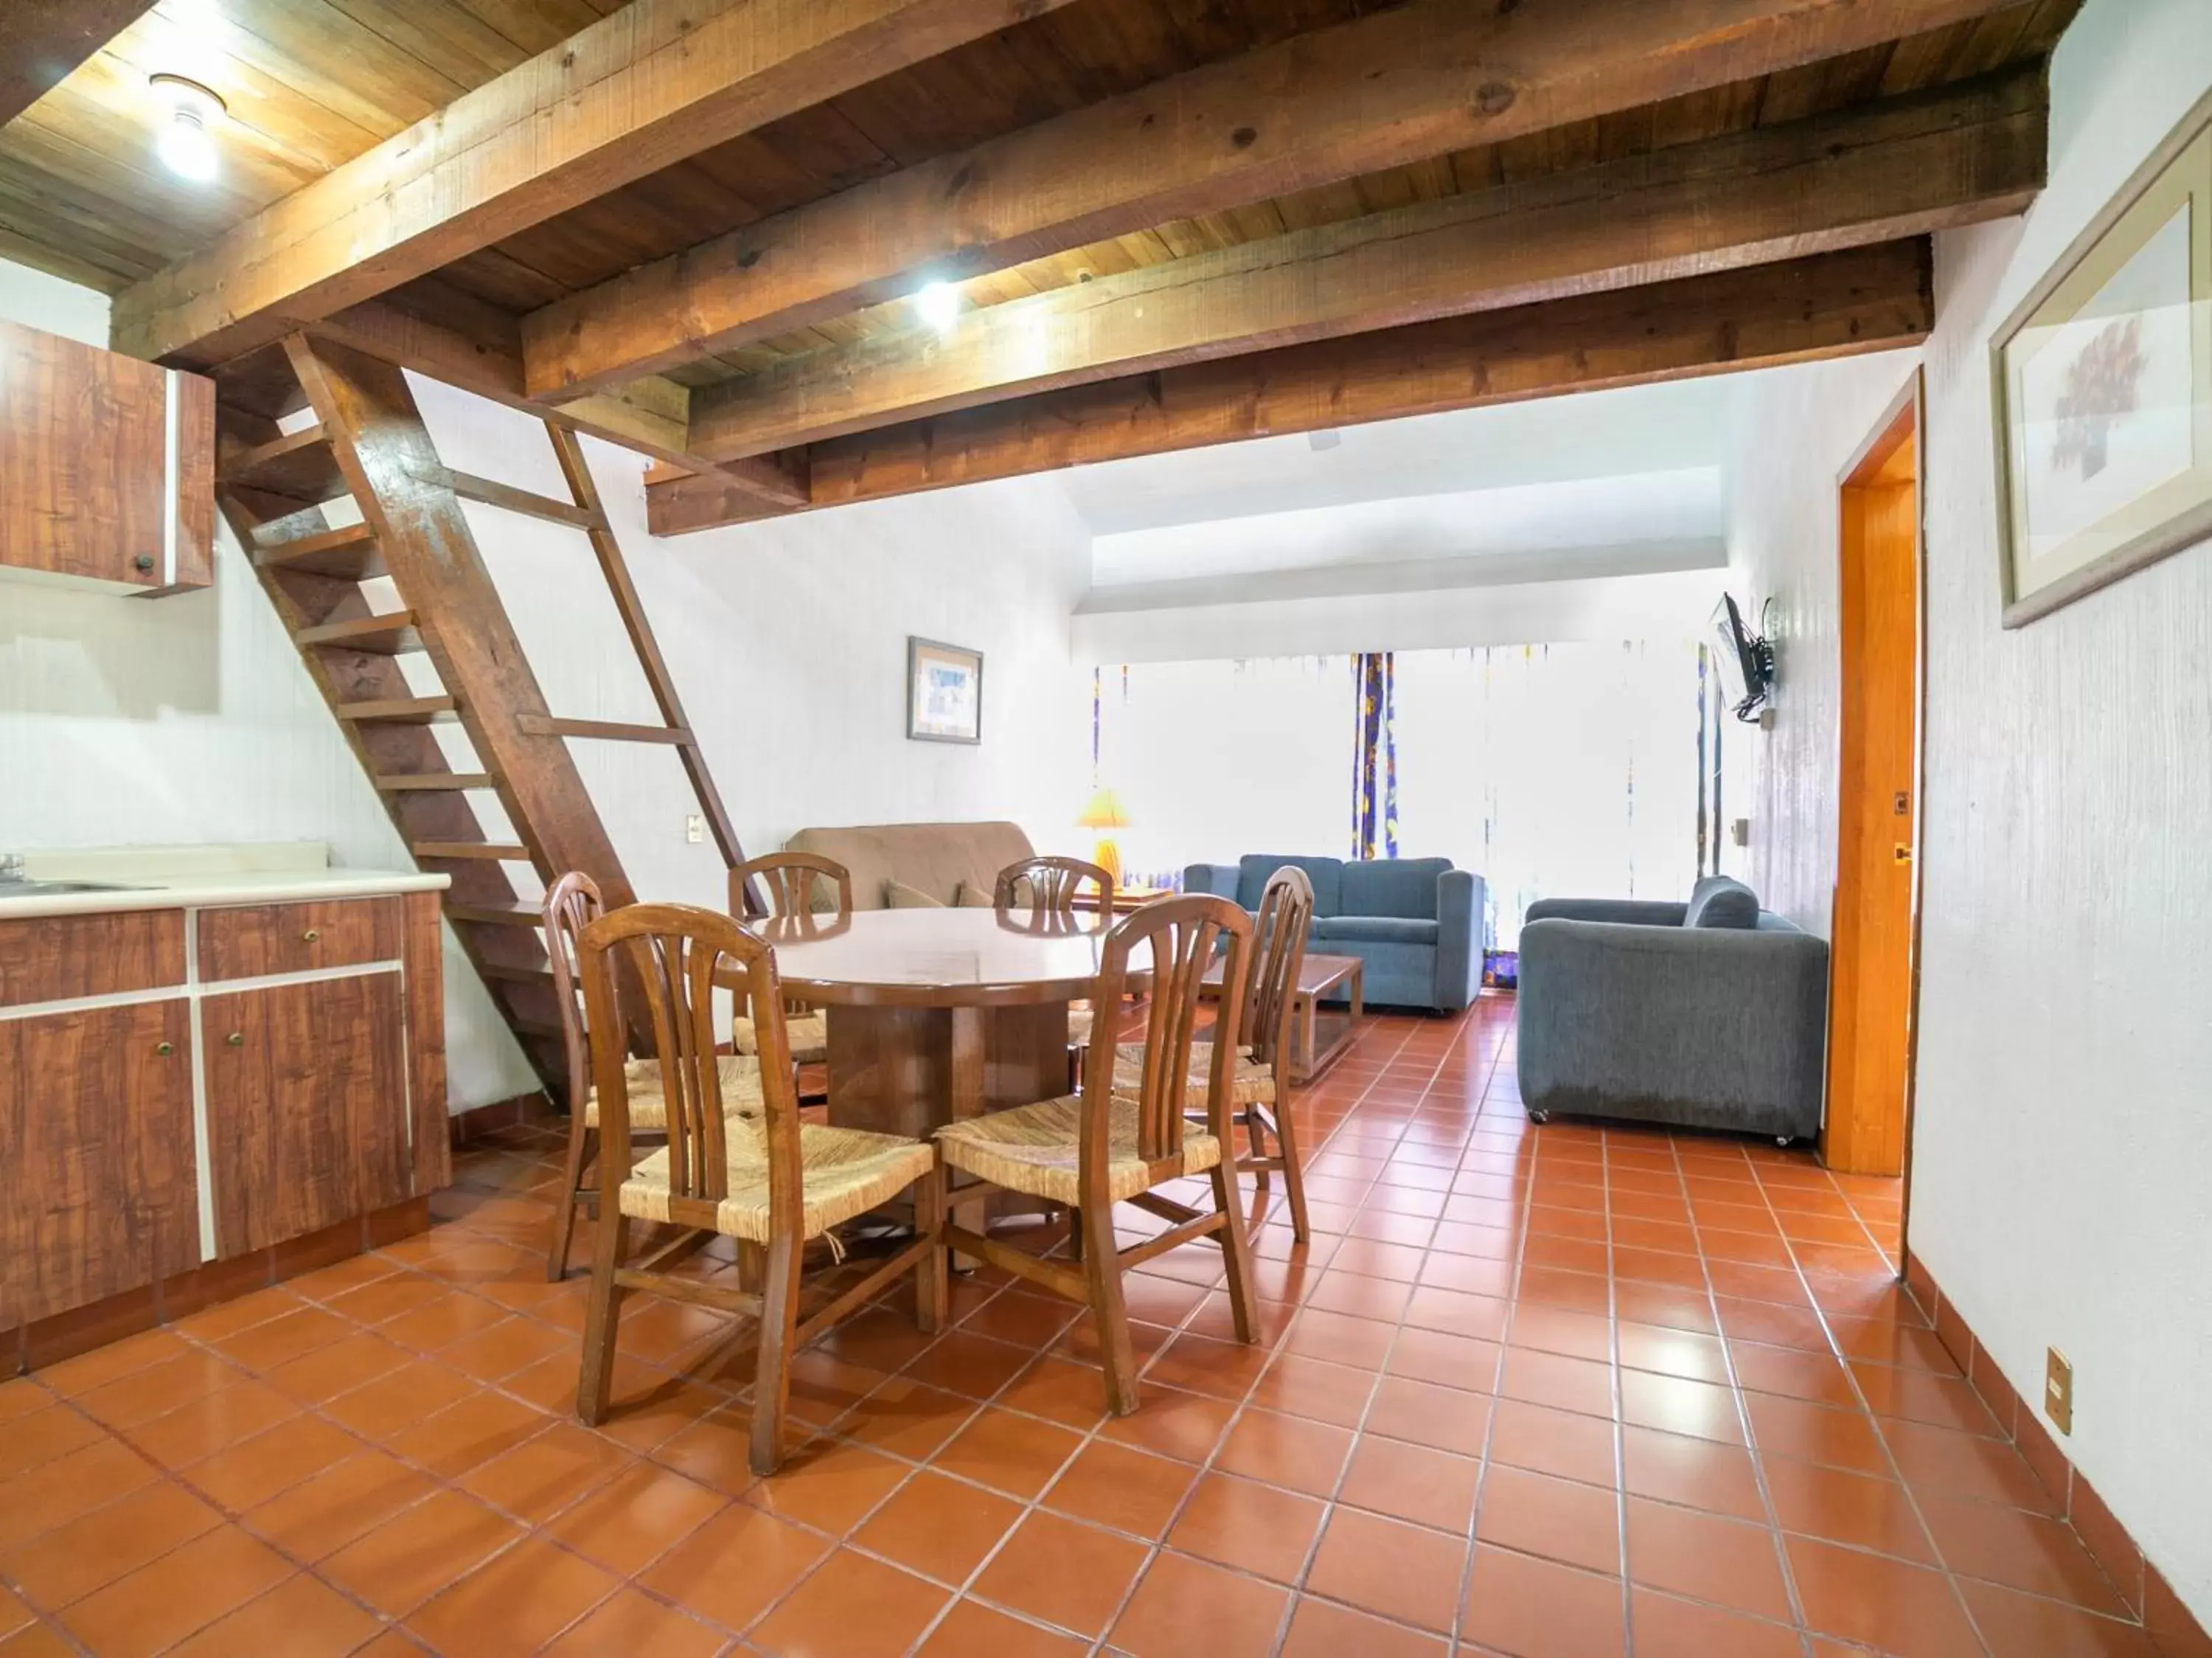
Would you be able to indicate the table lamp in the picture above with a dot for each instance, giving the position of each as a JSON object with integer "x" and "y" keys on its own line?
{"x": 1105, "y": 812}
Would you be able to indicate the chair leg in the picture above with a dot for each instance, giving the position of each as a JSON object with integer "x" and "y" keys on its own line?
{"x": 932, "y": 1300}
{"x": 1237, "y": 1252}
{"x": 1101, "y": 1272}
{"x": 582, "y": 1143}
{"x": 779, "y": 1328}
{"x": 602, "y": 1316}
{"x": 1255, "y": 1128}
{"x": 751, "y": 1256}
{"x": 1286, "y": 1139}
{"x": 1075, "y": 1233}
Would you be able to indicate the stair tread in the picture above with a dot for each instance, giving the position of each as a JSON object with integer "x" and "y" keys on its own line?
{"x": 413, "y": 782}
{"x": 511, "y": 975}
{"x": 351, "y": 553}
{"x": 387, "y": 634}
{"x": 503, "y": 851}
{"x": 400, "y": 710}
{"x": 510, "y": 913}
{"x": 299, "y": 466}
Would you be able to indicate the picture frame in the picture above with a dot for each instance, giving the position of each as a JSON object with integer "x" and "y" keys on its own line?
{"x": 2102, "y": 390}
{"x": 943, "y": 692}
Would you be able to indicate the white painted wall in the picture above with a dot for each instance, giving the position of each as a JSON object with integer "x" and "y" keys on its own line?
{"x": 2059, "y": 1193}
{"x": 1792, "y": 430}
{"x": 163, "y": 721}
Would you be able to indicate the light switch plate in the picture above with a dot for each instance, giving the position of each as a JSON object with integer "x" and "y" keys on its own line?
{"x": 695, "y": 828}
{"x": 2058, "y": 1390}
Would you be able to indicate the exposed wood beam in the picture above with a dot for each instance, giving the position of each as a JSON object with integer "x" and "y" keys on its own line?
{"x": 1398, "y": 87}
{"x": 645, "y": 87}
{"x": 1901, "y": 167}
{"x": 1868, "y": 299}
{"x": 484, "y": 355}
{"x": 42, "y": 40}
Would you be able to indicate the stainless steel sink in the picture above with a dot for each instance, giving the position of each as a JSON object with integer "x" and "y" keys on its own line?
{"x": 55, "y": 888}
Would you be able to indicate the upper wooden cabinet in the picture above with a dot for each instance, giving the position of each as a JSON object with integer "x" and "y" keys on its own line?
{"x": 106, "y": 465}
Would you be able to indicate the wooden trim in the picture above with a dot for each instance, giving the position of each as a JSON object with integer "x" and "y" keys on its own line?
{"x": 492, "y": 493}
{"x": 1899, "y": 167}
{"x": 1382, "y": 91}
{"x": 546, "y": 725}
{"x": 1831, "y": 305}
{"x": 42, "y": 40}
{"x": 655, "y": 83}
{"x": 2171, "y": 1627}
{"x": 423, "y": 941}
{"x": 1874, "y": 923}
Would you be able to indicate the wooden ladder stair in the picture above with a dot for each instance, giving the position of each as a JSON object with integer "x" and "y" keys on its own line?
{"x": 368, "y": 446}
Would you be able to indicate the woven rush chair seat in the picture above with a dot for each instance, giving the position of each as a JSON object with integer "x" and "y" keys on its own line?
{"x": 808, "y": 1034}
{"x": 738, "y": 1072}
{"x": 845, "y": 1172}
{"x": 1254, "y": 1083}
{"x": 1034, "y": 1149}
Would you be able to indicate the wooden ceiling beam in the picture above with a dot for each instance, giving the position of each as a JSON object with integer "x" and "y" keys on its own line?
{"x": 481, "y": 353}
{"x": 1395, "y": 88}
{"x": 641, "y": 90}
{"x": 1875, "y": 173}
{"x": 1868, "y": 299}
{"x": 42, "y": 40}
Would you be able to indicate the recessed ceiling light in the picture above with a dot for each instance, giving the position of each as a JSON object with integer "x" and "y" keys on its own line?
{"x": 184, "y": 143}
{"x": 938, "y": 305}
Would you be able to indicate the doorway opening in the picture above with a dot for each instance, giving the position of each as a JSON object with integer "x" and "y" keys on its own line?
{"x": 1874, "y": 965}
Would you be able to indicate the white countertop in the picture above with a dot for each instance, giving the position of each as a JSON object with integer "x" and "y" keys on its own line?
{"x": 193, "y": 877}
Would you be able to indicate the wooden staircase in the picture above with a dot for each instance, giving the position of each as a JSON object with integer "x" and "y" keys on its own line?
{"x": 368, "y": 445}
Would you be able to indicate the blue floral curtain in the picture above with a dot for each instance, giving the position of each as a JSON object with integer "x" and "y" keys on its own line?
{"x": 1375, "y": 763}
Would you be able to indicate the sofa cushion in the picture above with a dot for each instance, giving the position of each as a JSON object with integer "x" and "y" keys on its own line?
{"x": 897, "y": 895}
{"x": 1375, "y": 929}
{"x": 931, "y": 857}
{"x": 1254, "y": 868}
{"x": 1391, "y": 886}
{"x": 1717, "y": 901}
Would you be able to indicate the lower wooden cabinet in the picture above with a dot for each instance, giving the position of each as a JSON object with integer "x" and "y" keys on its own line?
{"x": 302, "y": 1082}
{"x": 98, "y": 1191}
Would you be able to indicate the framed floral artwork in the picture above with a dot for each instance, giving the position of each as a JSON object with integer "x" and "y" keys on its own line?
{"x": 2104, "y": 390}
{"x": 944, "y": 692}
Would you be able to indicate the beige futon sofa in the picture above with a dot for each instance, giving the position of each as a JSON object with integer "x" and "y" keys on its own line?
{"x": 951, "y": 863}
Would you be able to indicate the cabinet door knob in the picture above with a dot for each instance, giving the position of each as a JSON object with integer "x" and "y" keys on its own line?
{"x": 310, "y": 935}
{"x": 142, "y": 562}
{"x": 165, "y": 1049}
{"x": 236, "y": 1038}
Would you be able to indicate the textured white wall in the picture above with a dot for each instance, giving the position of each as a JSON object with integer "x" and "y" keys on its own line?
{"x": 2059, "y": 1187}
{"x": 1792, "y": 431}
{"x": 2060, "y": 1192}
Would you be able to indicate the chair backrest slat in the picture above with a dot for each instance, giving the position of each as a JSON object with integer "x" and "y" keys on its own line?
{"x": 1278, "y": 934}
{"x": 791, "y": 880}
{"x": 679, "y": 953}
{"x": 1054, "y": 883}
{"x": 571, "y": 905}
{"x": 1183, "y": 936}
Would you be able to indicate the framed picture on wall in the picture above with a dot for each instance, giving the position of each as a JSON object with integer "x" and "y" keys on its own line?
{"x": 2104, "y": 390}
{"x": 944, "y": 692}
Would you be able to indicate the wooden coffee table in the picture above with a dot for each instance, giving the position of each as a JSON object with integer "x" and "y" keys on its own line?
{"x": 1319, "y": 974}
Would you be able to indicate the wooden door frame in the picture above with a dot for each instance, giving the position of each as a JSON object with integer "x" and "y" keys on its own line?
{"x": 1907, "y": 409}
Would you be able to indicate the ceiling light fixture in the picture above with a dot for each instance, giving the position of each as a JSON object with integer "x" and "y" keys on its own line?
{"x": 184, "y": 143}
{"x": 938, "y": 305}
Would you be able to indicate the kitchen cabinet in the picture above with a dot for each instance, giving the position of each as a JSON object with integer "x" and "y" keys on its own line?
{"x": 315, "y": 1031}
{"x": 106, "y": 466}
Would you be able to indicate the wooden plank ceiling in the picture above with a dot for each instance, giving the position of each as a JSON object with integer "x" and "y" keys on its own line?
{"x": 1149, "y": 206}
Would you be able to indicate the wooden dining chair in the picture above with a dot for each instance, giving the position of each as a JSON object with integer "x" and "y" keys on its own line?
{"x": 792, "y": 881}
{"x": 571, "y": 905}
{"x": 769, "y": 1180}
{"x": 1099, "y": 1147}
{"x": 1260, "y": 1094}
{"x": 1055, "y": 883}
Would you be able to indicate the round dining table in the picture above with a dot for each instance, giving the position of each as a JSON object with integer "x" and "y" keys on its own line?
{"x": 936, "y": 1015}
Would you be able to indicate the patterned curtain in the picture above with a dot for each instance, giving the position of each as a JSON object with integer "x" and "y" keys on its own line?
{"x": 1374, "y": 762}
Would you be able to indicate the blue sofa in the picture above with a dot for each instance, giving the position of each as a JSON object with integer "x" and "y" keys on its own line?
{"x": 1415, "y": 924}
{"x": 1712, "y": 1014}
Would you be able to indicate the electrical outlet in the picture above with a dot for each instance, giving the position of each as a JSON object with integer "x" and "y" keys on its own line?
{"x": 695, "y": 828}
{"x": 2058, "y": 1390}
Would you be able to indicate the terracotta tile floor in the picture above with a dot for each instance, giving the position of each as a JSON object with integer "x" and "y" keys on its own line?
{"x": 1548, "y": 1391}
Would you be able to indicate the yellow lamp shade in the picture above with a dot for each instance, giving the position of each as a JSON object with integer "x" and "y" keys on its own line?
{"x": 1104, "y": 812}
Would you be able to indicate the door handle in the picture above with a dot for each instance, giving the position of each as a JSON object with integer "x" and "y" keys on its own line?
{"x": 1902, "y": 852}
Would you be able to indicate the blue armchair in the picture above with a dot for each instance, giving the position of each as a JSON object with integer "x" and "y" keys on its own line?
{"x": 1712, "y": 1014}
{"x": 1415, "y": 924}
